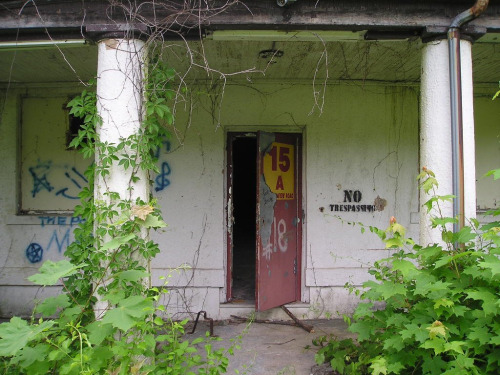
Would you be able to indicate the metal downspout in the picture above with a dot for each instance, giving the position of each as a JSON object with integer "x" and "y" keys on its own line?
{"x": 456, "y": 108}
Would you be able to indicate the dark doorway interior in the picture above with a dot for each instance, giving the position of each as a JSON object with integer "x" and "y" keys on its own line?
{"x": 244, "y": 213}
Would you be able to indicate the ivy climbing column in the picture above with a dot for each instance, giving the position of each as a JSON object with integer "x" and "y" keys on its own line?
{"x": 435, "y": 130}
{"x": 120, "y": 84}
{"x": 120, "y": 106}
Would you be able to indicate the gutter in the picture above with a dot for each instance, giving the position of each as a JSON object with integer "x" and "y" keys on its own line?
{"x": 456, "y": 108}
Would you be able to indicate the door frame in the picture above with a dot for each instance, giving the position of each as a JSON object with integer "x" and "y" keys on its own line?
{"x": 230, "y": 136}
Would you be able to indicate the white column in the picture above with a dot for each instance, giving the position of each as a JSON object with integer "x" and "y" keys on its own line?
{"x": 469, "y": 134}
{"x": 435, "y": 130}
{"x": 120, "y": 80}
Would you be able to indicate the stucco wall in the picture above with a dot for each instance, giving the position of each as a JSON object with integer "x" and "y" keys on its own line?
{"x": 364, "y": 142}
{"x": 487, "y": 117}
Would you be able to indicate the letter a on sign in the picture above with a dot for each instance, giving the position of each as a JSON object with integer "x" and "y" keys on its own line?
{"x": 279, "y": 170}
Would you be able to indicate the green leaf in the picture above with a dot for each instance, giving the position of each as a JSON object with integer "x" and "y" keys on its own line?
{"x": 414, "y": 331}
{"x": 98, "y": 331}
{"x": 379, "y": 366}
{"x": 436, "y": 344}
{"x": 436, "y": 328}
{"x": 495, "y": 172}
{"x": 51, "y": 272}
{"x": 132, "y": 275}
{"x": 429, "y": 183}
{"x": 394, "y": 242}
{"x": 128, "y": 312}
{"x": 465, "y": 235}
{"x": 443, "y": 302}
{"x": 16, "y": 334}
{"x": 407, "y": 268}
{"x": 489, "y": 299}
{"x": 28, "y": 355}
{"x": 50, "y": 305}
{"x": 398, "y": 228}
{"x": 154, "y": 222}
{"x": 481, "y": 334}
{"x": 492, "y": 264}
{"x": 387, "y": 289}
{"x": 116, "y": 242}
{"x": 364, "y": 329}
{"x": 438, "y": 221}
{"x": 70, "y": 314}
{"x": 433, "y": 365}
{"x": 395, "y": 342}
{"x": 114, "y": 296}
{"x": 455, "y": 346}
{"x": 363, "y": 309}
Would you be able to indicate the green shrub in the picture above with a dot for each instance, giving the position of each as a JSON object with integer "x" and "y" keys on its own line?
{"x": 430, "y": 310}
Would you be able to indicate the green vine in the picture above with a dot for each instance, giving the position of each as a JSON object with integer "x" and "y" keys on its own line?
{"x": 108, "y": 319}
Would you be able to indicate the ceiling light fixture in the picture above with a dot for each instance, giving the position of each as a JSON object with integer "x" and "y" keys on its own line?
{"x": 286, "y": 36}
{"x": 39, "y": 44}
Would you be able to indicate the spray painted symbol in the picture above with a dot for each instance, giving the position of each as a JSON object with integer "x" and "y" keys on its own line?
{"x": 161, "y": 180}
{"x": 63, "y": 191}
{"x": 165, "y": 143}
{"x": 39, "y": 174}
{"x": 34, "y": 252}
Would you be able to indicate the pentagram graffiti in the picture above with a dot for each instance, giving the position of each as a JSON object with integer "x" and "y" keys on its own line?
{"x": 34, "y": 252}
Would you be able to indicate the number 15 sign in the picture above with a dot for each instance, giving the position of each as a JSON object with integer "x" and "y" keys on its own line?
{"x": 279, "y": 167}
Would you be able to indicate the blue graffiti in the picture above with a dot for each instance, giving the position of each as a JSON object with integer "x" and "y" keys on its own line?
{"x": 39, "y": 174}
{"x": 60, "y": 220}
{"x": 41, "y": 182}
{"x": 79, "y": 176}
{"x": 65, "y": 195}
{"x": 34, "y": 252}
{"x": 165, "y": 143}
{"x": 61, "y": 244}
{"x": 161, "y": 181}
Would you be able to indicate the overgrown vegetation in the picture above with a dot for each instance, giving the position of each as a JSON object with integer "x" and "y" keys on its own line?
{"x": 431, "y": 309}
{"x": 108, "y": 320}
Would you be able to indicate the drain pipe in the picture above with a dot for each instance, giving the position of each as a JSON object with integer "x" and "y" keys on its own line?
{"x": 456, "y": 108}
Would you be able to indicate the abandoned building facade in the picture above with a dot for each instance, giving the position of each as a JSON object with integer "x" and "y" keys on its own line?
{"x": 302, "y": 120}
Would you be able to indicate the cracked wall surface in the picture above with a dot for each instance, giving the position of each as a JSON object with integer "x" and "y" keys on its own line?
{"x": 365, "y": 142}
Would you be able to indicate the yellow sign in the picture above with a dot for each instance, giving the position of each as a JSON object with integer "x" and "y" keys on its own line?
{"x": 279, "y": 170}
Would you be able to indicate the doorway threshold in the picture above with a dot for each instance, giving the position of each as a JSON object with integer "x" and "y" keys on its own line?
{"x": 301, "y": 310}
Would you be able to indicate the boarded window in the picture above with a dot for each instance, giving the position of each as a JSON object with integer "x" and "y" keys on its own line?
{"x": 51, "y": 175}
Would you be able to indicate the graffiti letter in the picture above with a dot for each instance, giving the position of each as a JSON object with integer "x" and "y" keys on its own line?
{"x": 62, "y": 244}
{"x": 39, "y": 174}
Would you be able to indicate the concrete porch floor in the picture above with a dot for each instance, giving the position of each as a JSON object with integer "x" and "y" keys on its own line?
{"x": 270, "y": 349}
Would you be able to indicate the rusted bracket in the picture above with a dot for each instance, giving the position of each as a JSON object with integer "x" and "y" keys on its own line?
{"x": 206, "y": 318}
{"x": 302, "y": 325}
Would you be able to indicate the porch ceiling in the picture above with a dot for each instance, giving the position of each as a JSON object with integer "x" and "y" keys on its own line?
{"x": 394, "y": 61}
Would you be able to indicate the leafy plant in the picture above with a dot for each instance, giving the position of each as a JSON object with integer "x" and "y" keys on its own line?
{"x": 109, "y": 320}
{"x": 430, "y": 309}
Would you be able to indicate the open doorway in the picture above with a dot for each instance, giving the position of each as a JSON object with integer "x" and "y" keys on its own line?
{"x": 244, "y": 165}
{"x": 264, "y": 218}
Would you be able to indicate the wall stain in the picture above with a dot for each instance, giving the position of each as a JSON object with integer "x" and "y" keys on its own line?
{"x": 380, "y": 203}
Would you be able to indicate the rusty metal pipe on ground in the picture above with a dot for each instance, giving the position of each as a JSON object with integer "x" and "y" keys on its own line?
{"x": 456, "y": 108}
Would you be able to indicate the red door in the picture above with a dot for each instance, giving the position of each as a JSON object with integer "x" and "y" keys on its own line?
{"x": 279, "y": 221}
